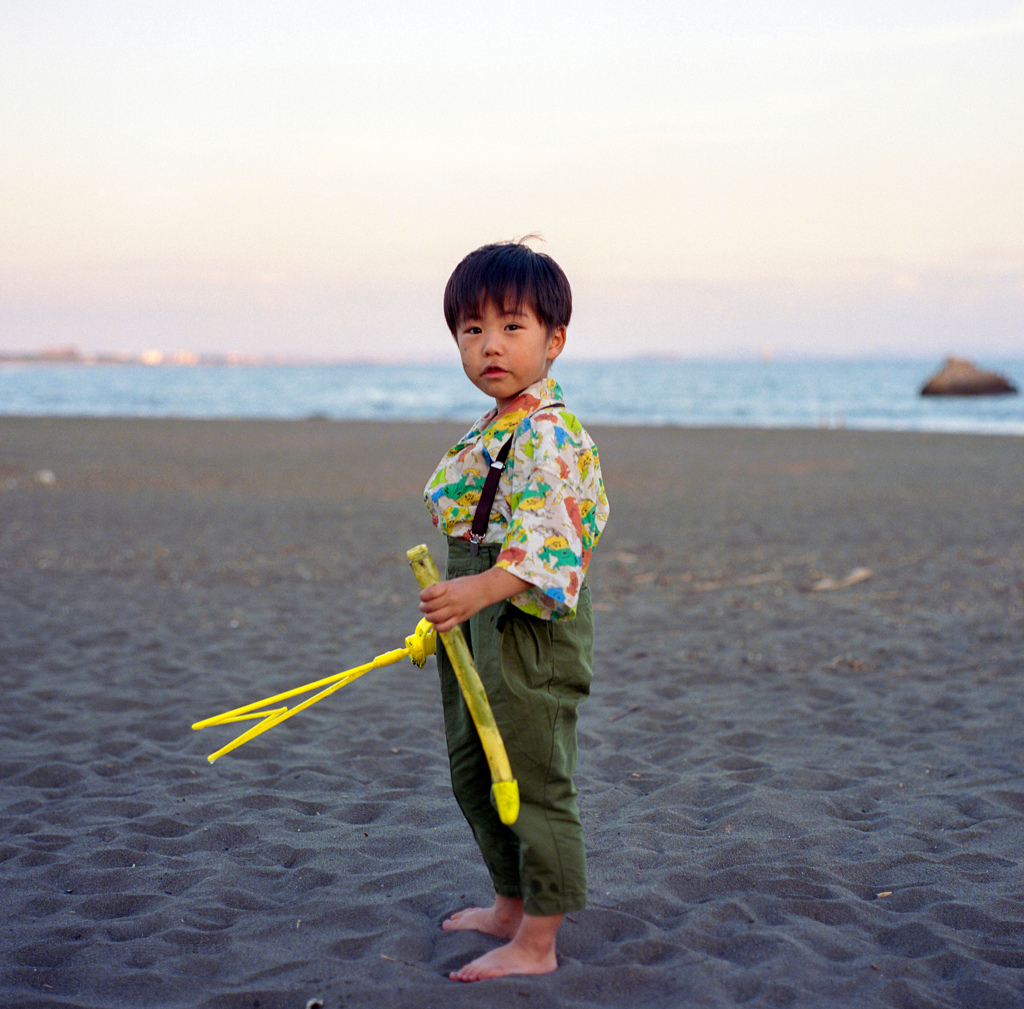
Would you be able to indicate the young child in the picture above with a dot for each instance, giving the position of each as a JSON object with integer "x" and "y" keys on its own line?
{"x": 515, "y": 582}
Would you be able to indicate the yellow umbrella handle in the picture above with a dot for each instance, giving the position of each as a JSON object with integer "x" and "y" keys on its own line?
{"x": 504, "y": 788}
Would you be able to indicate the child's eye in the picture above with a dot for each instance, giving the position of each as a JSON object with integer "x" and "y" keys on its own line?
{"x": 513, "y": 325}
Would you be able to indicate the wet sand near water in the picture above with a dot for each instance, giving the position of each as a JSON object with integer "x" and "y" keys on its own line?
{"x": 800, "y": 769}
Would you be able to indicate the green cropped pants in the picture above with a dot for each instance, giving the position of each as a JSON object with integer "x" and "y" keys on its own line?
{"x": 536, "y": 672}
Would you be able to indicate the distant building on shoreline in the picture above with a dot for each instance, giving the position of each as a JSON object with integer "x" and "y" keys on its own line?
{"x": 148, "y": 358}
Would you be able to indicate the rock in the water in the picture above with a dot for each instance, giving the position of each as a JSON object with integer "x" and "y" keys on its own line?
{"x": 958, "y": 377}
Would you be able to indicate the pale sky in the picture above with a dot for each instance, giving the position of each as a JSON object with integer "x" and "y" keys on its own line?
{"x": 302, "y": 177}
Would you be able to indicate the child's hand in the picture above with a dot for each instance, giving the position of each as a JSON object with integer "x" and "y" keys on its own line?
{"x": 448, "y": 604}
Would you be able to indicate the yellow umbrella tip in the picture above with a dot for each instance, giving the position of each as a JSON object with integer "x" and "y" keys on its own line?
{"x": 506, "y": 799}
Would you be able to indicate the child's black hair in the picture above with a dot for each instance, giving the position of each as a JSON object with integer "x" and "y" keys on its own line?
{"x": 510, "y": 275}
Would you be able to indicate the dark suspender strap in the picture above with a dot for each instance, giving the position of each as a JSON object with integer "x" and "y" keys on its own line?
{"x": 482, "y": 515}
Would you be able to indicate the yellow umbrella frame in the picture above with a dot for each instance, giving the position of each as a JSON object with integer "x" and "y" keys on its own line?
{"x": 420, "y": 644}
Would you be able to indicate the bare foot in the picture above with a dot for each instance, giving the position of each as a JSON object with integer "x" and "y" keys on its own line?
{"x": 501, "y": 920}
{"x": 531, "y": 951}
{"x": 510, "y": 959}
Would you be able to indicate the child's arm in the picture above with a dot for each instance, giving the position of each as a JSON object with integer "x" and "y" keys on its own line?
{"x": 448, "y": 604}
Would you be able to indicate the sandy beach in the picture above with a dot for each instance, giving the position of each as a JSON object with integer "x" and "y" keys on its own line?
{"x": 800, "y": 769}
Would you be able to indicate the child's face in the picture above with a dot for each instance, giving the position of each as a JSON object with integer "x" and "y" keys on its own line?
{"x": 503, "y": 352}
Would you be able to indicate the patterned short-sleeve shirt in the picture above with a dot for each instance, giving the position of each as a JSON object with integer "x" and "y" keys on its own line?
{"x": 550, "y": 506}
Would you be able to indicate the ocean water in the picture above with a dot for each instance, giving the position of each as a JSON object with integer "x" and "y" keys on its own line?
{"x": 879, "y": 395}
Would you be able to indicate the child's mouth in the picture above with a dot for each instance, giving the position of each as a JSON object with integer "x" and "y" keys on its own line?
{"x": 493, "y": 372}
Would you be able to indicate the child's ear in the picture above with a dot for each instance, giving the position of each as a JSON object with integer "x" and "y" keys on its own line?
{"x": 556, "y": 342}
